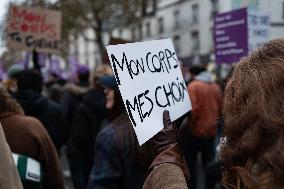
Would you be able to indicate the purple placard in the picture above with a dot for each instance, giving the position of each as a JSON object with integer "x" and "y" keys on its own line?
{"x": 231, "y": 36}
{"x": 73, "y": 64}
{"x": 54, "y": 66}
{"x": 26, "y": 60}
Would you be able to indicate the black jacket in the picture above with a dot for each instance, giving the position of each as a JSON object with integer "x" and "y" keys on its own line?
{"x": 91, "y": 113}
{"x": 47, "y": 111}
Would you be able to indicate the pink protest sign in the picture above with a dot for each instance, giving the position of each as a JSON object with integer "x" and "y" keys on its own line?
{"x": 34, "y": 28}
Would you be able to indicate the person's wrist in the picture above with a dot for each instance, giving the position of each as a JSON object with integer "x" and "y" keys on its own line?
{"x": 163, "y": 147}
{"x": 171, "y": 154}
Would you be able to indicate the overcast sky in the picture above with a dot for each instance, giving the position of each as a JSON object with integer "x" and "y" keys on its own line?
{"x": 3, "y": 9}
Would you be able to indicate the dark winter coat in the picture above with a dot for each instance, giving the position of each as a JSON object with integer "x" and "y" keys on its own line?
{"x": 119, "y": 160}
{"x": 72, "y": 97}
{"x": 91, "y": 113}
{"x": 47, "y": 111}
{"x": 27, "y": 136}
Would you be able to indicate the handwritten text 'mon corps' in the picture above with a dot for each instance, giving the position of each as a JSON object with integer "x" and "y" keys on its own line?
{"x": 26, "y": 21}
{"x": 163, "y": 96}
{"x": 163, "y": 61}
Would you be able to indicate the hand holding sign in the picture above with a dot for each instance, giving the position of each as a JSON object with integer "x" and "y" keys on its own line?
{"x": 150, "y": 80}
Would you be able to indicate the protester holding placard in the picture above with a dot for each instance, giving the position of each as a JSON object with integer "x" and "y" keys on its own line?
{"x": 119, "y": 160}
{"x": 149, "y": 78}
{"x": 252, "y": 151}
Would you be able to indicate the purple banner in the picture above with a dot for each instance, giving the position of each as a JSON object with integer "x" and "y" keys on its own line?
{"x": 42, "y": 57}
{"x": 26, "y": 60}
{"x": 54, "y": 66}
{"x": 231, "y": 36}
{"x": 73, "y": 64}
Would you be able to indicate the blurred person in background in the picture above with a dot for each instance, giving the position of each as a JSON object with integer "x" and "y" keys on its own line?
{"x": 10, "y": 83}
{"x": 91, "y": 114}
{"x": 199, "y": 135}
{"x": 27, "y": 136}
{"x": 119, "y": 161}
{"x": 54, "y": 87}
{"x": 72, "y": 97}
{"x": 30, "y": 83}
{"x": 194, "y": 71}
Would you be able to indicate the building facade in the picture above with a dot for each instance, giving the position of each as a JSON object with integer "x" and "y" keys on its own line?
{"x": 188, "y": 23}
{"x": 275, "y": 9}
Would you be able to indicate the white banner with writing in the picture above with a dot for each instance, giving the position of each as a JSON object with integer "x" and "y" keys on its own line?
{"x": 150, "y": 81}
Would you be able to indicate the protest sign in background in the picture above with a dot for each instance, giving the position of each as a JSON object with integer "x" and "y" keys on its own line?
{"x": 33, "y": 28}
{"x": 150, "y": 81}
{"x": 238, "y": 33}
{"x": 258, "y": 28}
{"x": 231, "y": 36}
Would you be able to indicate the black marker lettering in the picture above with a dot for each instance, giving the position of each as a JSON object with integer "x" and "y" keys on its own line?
{"x": 141, "y": 65}
{"x": 178, "y": 90}
{"x": 173, "y": 90}
{"x": 170, "y": 55}
{"x": 29, "y": 41}
{"x": 157, "y": 98}
{"x": 170, "y": 93}
{"x": 167, "y": 93}
{"x": 147, "y": 61}
{"x": 183, "y": 87}
{"x": 162, "y": 61}
{"x": 132, "y": 62}
{"x": 129, "y": 108}
{"x": 16, "y": 37}
{"x": 152, "y": 104}
{"x": 115, "y": 62}
{"x": 156, "y": 69}
{"x": 175, "y": 66}
{"x": 139, "y": 106}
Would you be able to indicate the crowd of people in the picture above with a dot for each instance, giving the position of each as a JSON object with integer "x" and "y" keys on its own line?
{"x": 237, "y": 134}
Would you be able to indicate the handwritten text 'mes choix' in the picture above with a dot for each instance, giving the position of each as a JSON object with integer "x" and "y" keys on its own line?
{"x": 27, "y": 21}
{"x": 165, "y": 95}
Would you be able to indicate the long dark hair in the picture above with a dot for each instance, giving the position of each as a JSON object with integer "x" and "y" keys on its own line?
{"x": 253, "y": 153}
{"x": 142, "y": 156}
{"x": 8, "y": 103}
{"x": 118, "y": 106}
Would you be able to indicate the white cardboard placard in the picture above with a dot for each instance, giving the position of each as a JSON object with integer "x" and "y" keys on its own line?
{"x": 150, "y": 81}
